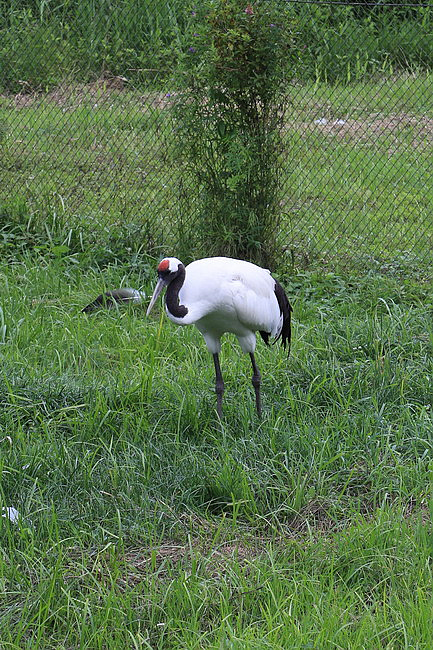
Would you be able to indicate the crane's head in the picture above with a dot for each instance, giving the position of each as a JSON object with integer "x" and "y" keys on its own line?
{"x": 168, "y": 269}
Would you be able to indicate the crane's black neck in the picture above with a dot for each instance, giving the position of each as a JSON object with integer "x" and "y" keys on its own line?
{"x": 172, "y": 294}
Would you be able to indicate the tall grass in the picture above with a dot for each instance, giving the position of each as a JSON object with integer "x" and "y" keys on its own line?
{"x": 147, "y": 522}
{"x": 42, "y": 43}
{"x": 339, "y": 44}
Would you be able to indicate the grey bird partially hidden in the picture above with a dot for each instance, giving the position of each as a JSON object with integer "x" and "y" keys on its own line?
{"x": 116, "y": 297}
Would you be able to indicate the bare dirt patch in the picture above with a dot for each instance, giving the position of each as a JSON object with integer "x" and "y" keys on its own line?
{"x": 99, "y": 93}
{"x": 161, "y": 559}
{"x": 372, "y": 127}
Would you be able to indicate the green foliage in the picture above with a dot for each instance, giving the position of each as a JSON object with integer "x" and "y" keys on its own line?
{"x": 343, "y": 43}
{"x": 229, "y": 120}
{"x": 45, "y": 43}
{"x": 24, "y": 232}
{"x": 310, "y": 528}
{"x": 34, "y": 56}
{"x": 42, "y": 43}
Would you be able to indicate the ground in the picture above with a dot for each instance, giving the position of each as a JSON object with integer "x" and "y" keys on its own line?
{"x": 147, "y": 522}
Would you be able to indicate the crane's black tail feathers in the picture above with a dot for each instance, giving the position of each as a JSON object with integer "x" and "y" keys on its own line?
{"x": 286, "y": 311}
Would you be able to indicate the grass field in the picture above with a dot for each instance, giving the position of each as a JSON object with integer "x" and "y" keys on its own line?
{"x": 148, "y": 523}
{"x": 99, "y": 158}
{"x": 145, "y": 522}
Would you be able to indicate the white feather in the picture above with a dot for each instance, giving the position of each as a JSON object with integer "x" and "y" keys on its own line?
{"x": 228, "y": 295}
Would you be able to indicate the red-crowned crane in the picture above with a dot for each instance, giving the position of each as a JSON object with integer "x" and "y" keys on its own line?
{"x": 221, "y": 294}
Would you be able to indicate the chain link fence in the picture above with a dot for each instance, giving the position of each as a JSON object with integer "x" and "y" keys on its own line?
{"x": 86, "y": 128}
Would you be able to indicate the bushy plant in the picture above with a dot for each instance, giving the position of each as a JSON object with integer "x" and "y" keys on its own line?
{"x": 24, "y": 231}
{"x": 228, "y": 113}
{"x": 34, "y": 56}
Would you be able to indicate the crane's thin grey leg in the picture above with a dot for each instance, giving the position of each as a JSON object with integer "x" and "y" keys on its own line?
{"x": 219, "y": 385}
{"x": 256, "y": 383}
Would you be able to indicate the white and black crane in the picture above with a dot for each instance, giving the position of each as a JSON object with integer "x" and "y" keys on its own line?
{"x": 221, "y": 294}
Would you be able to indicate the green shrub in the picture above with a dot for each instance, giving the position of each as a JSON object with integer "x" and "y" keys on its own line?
{"x": 34, "y": 57}
{"x": 229, "y": 119}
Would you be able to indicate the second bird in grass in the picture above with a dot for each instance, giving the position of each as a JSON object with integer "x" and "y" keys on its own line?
{"x": 221, "y": 294}
{"x": 115, "y": 297}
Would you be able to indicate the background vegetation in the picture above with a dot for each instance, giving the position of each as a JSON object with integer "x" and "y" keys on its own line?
{"x": 106, "y": 181}
{"x": 88, "y": 132}
{"x": 144, "y": 521}
{"x": 143, "y": 41}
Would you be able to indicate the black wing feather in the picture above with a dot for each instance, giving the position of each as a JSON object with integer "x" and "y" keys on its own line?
{"x": 286, "y": 310}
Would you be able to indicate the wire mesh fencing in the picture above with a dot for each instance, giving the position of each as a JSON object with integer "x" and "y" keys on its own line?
{"x": 87, "y": 130}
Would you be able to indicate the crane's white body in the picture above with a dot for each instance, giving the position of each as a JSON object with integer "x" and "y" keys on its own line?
{"x": 228, "y": 295}
{"x": 221, "y": 294}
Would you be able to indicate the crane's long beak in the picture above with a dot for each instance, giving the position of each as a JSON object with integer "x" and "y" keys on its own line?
{"x": 159, "y": 287}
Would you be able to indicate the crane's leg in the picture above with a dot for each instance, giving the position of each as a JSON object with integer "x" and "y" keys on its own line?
{"x": 256, "y": 383}
{"x": 219, "y": 385}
